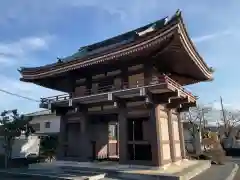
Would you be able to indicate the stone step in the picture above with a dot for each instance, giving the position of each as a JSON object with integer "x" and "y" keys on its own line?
{"x": 186, "y": 174}
{"x": 113, "y": 170}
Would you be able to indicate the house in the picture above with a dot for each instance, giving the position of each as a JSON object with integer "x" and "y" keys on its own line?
{"x": 47, "y": 127}
{"x": 45, "y": 123}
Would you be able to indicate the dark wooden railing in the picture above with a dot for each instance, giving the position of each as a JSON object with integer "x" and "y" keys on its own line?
{"x": 125, "y": 85}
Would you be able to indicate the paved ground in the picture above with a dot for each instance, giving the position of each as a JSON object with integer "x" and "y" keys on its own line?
{"x": 237, "y": 177}
{"x": 216, "y": 172}
{"x": 237, "y": 160}
{"x": 43, "y": 175}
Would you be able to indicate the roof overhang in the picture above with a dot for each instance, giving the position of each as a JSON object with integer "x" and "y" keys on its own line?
{"x": 191, "y": 50}
{"x": 154, "y": 39}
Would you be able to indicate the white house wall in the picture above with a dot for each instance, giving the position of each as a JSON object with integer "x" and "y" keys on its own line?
{"x": 23, "y": 146}
{"x": 42, "y": 120}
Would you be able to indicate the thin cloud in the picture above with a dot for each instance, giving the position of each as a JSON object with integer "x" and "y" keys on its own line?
{"x": 210, "y": 37}
{"x": 227, "y": 106}
{"x": 11, "y": 52}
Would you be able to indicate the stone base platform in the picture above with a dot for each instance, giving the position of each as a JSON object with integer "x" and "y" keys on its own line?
{"x": 184, "y": 170}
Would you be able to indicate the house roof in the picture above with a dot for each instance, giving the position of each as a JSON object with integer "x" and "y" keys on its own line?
{"x": 40, "y": 113}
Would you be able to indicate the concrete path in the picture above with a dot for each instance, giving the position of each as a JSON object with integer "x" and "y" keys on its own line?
{"x": 237, "y": 161}
{"x": 216, "y": 172}
{"x": 48, "y": 175}
{"x": 219, "y": 172}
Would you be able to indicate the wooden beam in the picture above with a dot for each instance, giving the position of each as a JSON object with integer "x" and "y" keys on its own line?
{"x": 163, "y": 98}
{"x": 110, "y": 101}
{"x": 180, "y": 100}
{"x": 186, "y": 106}
{"x": 61, "y": 110}
{"x": 173, "y": 105}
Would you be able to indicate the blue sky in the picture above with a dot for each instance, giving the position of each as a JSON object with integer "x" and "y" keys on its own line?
{"x": 36, "y": 32}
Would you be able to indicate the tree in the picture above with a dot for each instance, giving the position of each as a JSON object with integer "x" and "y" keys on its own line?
{"x": 228, "y": 127}
{"x": 196, "y": 119}
{"x": 13, "y": 125}
{"x": 193, "y": 117}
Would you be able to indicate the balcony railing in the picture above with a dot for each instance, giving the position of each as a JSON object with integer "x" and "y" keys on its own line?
{"x": 124, "y": 86}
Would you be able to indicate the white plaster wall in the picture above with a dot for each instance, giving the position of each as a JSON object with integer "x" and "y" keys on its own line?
{"x": 164, "y": 129}
{"x": 176, "y": 136}
{"x": 166, "y": 152}
{"x": 178, "y": 149}
{"x": 23, "y": 146}
{"x": 54, "y": 123}
{"x": 175, "y": 130}
{"x": 163, "y": 118}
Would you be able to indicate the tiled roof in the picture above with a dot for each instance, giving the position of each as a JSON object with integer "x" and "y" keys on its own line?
{"x": 39, "y": 113}
{"x": 117, "y": 41}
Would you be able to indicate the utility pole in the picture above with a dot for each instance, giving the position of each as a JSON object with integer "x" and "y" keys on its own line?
{"x": 204, "y": 111}
{"x": 203, "y": 118}
{"x": 226, "y": 131}
{"x": 223, "y": 113}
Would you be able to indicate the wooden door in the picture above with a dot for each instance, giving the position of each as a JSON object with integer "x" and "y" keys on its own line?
{"x": 73, "y": 141}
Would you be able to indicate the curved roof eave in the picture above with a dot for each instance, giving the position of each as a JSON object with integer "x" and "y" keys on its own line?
{"x": 191, "y": 50}
{"x": 185, "y": 41}
{"x": 131, "y": 49}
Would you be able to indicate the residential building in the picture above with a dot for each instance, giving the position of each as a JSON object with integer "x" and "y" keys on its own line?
{"x": 45, "y": 122}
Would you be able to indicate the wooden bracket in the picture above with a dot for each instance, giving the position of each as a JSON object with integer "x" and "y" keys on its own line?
{"x": 180, "y": 100}
{"x": 186, "y": 106}
{"x": 163, "y": 98}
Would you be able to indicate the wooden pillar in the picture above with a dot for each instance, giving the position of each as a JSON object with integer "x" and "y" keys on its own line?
{"x": 156, "y": 136}
{"x": 84, "y": 144}
{"x": 171, "y": 136}
{"x": 181, "y": 137}
{"x": 122, "y": 120}
{"x": 62, "y": 138}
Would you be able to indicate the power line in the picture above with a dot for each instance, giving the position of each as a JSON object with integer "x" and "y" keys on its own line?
{"x": 17, "y": 95}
